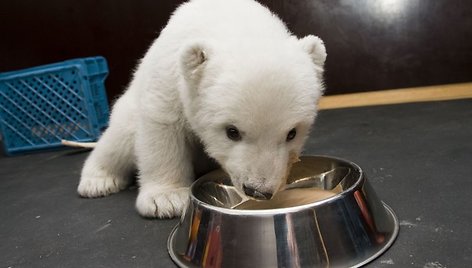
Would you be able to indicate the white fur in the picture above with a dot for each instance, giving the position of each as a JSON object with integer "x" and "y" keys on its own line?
{"x": 216, "y": 63}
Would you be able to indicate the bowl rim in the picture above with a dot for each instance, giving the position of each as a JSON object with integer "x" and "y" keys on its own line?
{"x": 274, "y": 211}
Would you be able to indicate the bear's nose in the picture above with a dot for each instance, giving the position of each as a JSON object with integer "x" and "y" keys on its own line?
{"x": 255, "y": 193}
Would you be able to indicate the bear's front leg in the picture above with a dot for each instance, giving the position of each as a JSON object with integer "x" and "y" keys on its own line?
{"x": 110, "y": 166}
{"x": 165, "y": 169}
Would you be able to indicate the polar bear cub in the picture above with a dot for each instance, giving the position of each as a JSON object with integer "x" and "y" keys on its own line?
{"x": 225, "y": 82}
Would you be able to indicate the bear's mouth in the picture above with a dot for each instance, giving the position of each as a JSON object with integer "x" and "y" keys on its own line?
{"x": 254, "y": 193}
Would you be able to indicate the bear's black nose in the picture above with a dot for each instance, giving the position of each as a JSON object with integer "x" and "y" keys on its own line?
{"x": 255, "y": 193}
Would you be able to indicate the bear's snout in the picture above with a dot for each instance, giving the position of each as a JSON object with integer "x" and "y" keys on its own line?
{"x": 252, "y": 192}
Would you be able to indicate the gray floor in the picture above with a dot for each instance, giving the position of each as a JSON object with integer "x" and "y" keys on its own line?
{"x": 417, "y": 156}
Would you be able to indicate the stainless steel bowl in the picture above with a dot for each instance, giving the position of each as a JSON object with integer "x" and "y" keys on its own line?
{"x": 345, "y": 229}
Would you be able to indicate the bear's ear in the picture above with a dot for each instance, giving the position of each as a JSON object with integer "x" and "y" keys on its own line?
{"x": 193, "y": 61}
{"x": 314, "y": 46}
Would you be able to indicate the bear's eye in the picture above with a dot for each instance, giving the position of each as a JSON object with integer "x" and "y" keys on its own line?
{"x": 233, "y": 133}
{"x": 291, "y": 134}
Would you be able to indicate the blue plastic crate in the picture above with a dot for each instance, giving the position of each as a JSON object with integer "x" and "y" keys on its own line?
{"x": 40, "y": 106}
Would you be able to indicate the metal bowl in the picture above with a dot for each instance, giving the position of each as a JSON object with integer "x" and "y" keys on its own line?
{"x": 347, "y": 227}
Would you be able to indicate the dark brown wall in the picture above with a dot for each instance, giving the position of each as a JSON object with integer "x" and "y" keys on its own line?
{"x": 372, "y": 44}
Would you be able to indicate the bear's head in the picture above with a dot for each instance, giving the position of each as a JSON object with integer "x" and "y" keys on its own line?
{"x": 252, "y": 105}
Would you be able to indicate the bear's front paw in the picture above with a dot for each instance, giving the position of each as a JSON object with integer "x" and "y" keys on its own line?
{"x": 162, "y": 202}
{"x": 101, "y": 185}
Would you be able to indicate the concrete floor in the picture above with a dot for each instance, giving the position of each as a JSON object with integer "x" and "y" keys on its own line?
{"x": 417, "y": 157}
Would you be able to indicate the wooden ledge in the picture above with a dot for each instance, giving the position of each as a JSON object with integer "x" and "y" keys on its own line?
{"x": 395, "y": 96}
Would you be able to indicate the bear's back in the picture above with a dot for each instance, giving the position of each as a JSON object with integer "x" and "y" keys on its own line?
{"x": 222, "y": 20}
